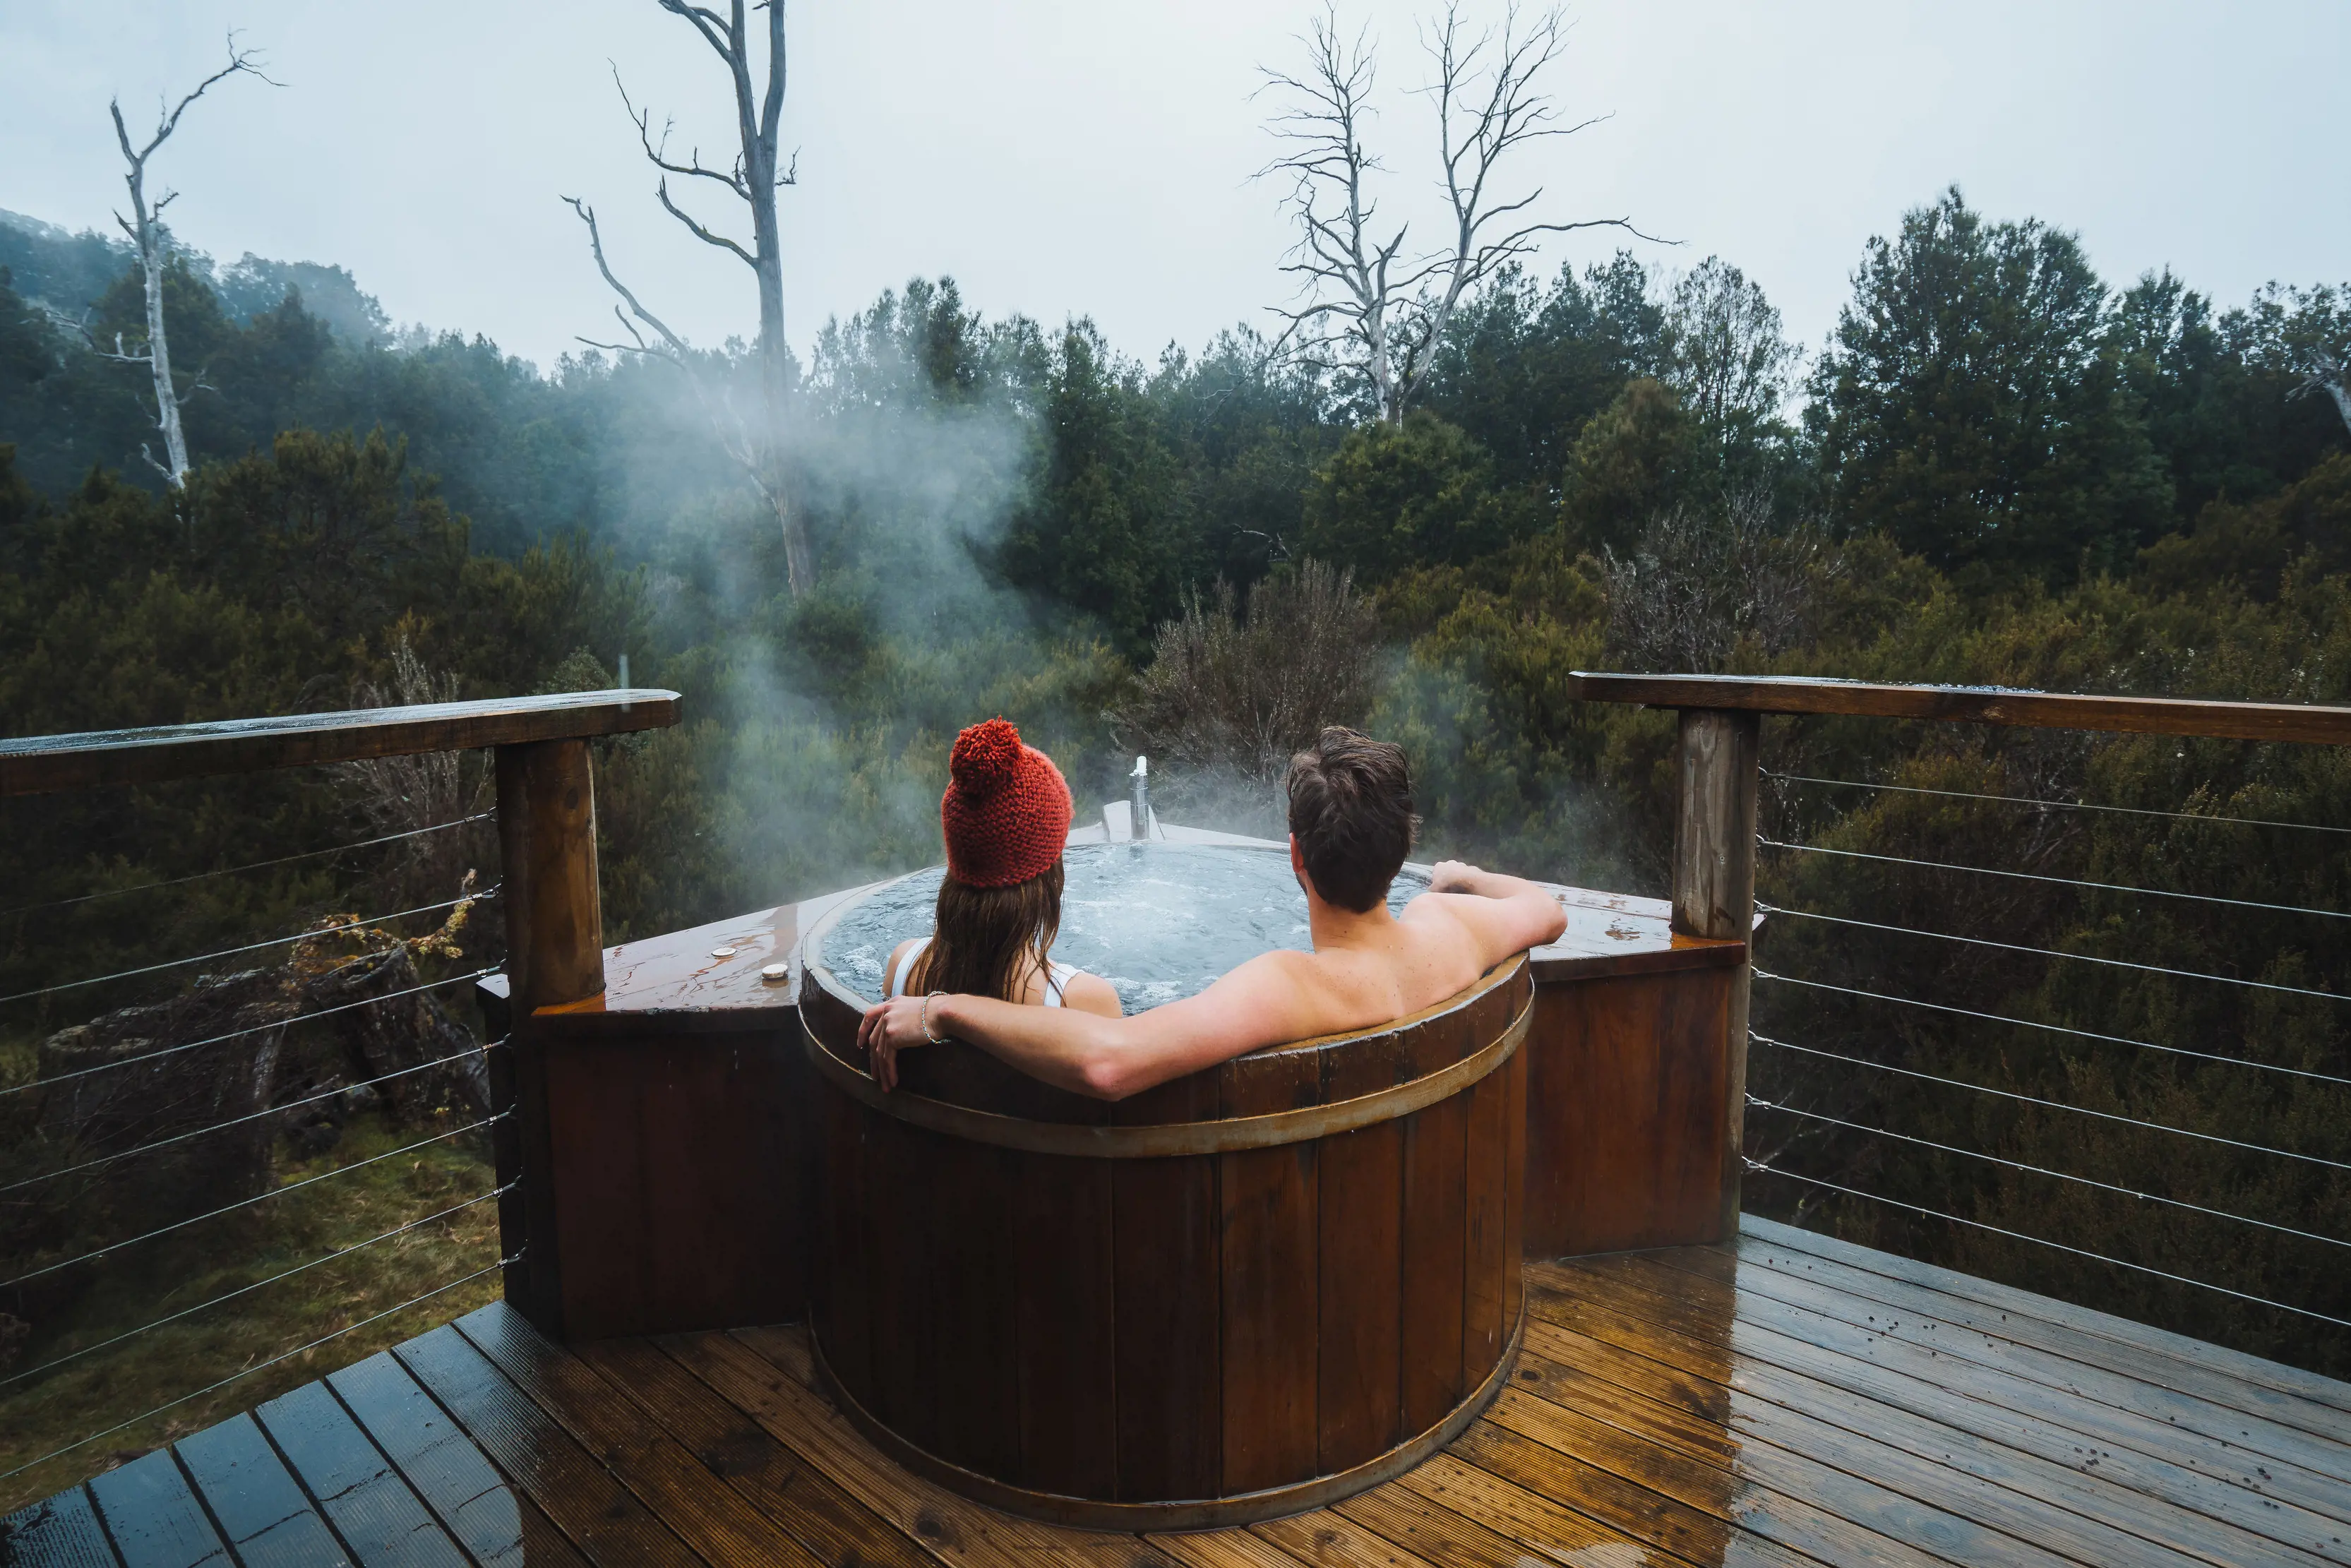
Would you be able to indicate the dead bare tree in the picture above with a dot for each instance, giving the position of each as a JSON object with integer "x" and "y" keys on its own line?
{"x": 2326, "y": 372}
{"x": 145, "y": 227}
{"x": 1367, "y": 309}
{"x": 755, "y": 440}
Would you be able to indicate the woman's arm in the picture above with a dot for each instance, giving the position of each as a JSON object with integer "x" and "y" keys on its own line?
{"x": 1092, "y": 994}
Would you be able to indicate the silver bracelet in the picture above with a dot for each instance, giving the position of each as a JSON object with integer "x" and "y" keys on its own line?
{"x": 927, "y": 1035}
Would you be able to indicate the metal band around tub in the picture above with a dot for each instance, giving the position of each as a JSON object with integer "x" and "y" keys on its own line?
{"x": 1172, "y": 1138}
{"x": 1197, "y": 1513}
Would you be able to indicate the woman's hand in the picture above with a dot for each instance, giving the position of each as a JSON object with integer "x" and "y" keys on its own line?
{"x": 888, "y": 1029}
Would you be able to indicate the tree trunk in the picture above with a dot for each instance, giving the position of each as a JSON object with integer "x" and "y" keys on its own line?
{"x": 776, "y": 389}
{"x": 159, "y": 360}
{"x": 2342, "y": 396}
{"x": 759, "y": 148}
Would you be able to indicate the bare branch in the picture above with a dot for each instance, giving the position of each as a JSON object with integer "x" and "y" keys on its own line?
{"x": 596, "y": 247}
{"x": 694, "y": 226}
{"x": 638, "y": 344}
{"x": 658, "y": 154}
{"x": 241, "y": 62}
{"x": 706, "y": 22}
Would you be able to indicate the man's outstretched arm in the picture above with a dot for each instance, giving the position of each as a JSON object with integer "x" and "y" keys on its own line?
{"x": 1106, "y": 1058}
{"x": 1507, "y": 913}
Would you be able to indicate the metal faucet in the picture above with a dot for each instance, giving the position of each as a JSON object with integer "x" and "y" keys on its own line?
{"x": 1140, "y": 828}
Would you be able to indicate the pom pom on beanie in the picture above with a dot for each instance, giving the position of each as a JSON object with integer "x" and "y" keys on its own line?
{"x": 1006, "y": 812}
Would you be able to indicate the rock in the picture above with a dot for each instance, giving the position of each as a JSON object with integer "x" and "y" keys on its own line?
{"x": 196, "y": 1075}
{"x": 208, "y": 1056}
{"x": 404, "y": 1032}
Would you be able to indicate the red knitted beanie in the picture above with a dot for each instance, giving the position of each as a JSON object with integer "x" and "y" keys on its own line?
{"x": 1006, "y": 814}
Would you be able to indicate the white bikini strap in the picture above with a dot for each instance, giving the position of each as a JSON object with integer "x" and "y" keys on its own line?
{"x": 898, "y": 980}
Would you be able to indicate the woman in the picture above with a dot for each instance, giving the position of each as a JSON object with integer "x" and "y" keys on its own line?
{"x": 1006, "y": 817}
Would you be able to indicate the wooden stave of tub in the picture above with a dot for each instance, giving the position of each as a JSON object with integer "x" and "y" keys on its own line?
{"x": 984, "y": 1250}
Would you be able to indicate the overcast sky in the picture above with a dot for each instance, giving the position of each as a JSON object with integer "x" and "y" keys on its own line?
{"x": 1060, "y": 157}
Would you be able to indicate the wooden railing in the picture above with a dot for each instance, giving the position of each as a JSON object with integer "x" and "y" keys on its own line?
{"x": 546, "y": 799}
{"x": 2305, "y": 722}
{"x": 547, "y": 835}
{"x": 1713, "y": 865}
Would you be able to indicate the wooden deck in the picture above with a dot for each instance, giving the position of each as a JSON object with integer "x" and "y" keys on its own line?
{"x": 1792, "y": 1400}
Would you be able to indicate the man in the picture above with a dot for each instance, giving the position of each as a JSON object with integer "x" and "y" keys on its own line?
{"x": 1350, "y": 827}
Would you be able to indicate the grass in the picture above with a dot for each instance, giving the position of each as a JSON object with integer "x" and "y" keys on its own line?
{"x": 154, "y": 1369}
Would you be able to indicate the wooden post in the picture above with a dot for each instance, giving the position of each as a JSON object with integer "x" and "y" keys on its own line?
{"x": 555, "y": 954}
{"x": 1714, "y": 890}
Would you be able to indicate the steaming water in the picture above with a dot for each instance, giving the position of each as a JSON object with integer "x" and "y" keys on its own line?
{"x": 1157, "y": 921}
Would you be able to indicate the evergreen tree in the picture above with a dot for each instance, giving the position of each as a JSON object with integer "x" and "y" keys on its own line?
{"x": 1973, "y": 404}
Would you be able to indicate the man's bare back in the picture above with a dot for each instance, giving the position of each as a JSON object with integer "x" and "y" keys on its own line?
{"x": 1368, "y": 968}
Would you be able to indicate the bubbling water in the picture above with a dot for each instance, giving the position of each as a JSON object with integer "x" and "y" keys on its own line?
{"x": 1158, "y": 921}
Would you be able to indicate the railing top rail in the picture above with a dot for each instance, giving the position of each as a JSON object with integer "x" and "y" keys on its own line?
{"x": 2304, "y": 722}
{"x": 40, "y": 764}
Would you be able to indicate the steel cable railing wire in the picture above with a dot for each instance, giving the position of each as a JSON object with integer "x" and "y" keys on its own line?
{"x": 2050, "y": 953}
{"x": 2061, "y": 880}
{"x": 338, "y": 926}
{"x": 250, "y": 865}
{"x": 97, "y": 1160}
{"x": 2056, "y": 805}
{"x": 57, "y": 1077}
{"x": 112, "y": 1248}
{"x": 1758, "y": 1101}
{"x": 356, "y": 1247}
{"x": 243, "y": 1373}
{"x": 1762, "y": 1168}
{"x": 2050, "y": 1105}
{"x": 2052, "y": 1028}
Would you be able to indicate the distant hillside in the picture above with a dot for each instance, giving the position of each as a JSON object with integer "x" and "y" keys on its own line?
{"x": 70, "y": 273}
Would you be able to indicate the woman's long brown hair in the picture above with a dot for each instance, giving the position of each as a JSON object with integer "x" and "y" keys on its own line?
{"x": 988, "y": 940}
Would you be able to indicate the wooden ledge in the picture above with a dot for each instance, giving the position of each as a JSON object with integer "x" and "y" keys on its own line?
{"x": 1613, "y": 933}
{"x": 41, "y": 764}
{"x": 2304, "y": 722}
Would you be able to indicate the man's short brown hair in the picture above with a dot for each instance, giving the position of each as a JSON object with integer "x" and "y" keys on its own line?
{"x": 1350, "y": 811}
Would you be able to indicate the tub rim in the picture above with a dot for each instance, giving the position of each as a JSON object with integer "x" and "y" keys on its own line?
{"x": 1165, "y": 1139}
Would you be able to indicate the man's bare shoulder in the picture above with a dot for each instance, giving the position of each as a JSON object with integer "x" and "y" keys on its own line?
{"x": 1499, "y": 927}
{"x": 1450, "y": 908}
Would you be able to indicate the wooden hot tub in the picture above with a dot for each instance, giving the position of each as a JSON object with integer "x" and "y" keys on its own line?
{"x": 1245, "y": 1293}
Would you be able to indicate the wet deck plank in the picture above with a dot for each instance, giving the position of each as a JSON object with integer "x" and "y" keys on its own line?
{"x": 154, "y": 1518}
{"x": 267, "y": 1517}
{"x": 372, "y": 1509}
{"x": 463, "y": 1488}
{"x": 60, "y": 1531}
{"x": 1788, "y": 1402}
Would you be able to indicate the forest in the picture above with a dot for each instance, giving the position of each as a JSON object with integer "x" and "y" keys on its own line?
{"x": 2001, "y": 468}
